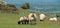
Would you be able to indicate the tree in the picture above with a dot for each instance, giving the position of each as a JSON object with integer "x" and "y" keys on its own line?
{"x": 25, "y": 5}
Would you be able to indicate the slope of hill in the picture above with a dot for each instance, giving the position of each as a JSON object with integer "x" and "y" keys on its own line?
{"x": 9, "y": 20}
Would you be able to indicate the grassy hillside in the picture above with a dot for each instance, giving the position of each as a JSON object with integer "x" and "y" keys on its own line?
{"x": 9, "y": 20}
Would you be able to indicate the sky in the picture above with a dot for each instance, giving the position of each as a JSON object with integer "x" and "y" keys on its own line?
{"x": 56, "y": 1}
{"x": 39, "y": 2}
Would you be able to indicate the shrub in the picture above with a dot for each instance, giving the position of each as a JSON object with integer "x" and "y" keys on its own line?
{"x": 25, "y": 5}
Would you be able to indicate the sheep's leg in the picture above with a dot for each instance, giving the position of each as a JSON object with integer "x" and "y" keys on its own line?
{"x": 22, "y": 22}
{"x": 19, "y": 22}
{"x": 41, "y": 20}
{"x": 34, "y": 20}
{"x": 27, "y": 21}
{"x": 31, "y": 22}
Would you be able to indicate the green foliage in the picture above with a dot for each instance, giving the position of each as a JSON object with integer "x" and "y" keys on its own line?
{"x": 25, "y": 5}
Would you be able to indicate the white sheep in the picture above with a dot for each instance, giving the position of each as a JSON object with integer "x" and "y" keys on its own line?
{"x": 53, "y": 19}
{"x": 42, "y": 17}
{"x": 20, "y": 20}
{"x": 23, "y": 20}
{"x": 32, "y": 17}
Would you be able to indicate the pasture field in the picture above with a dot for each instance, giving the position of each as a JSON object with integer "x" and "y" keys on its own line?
{"x": 9, "y": 20}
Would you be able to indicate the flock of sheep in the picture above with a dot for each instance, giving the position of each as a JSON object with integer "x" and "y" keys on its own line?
{"x": 32, "y": 17}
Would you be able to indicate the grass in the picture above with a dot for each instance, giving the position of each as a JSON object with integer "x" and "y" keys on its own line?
{"x": 9, "y": 20}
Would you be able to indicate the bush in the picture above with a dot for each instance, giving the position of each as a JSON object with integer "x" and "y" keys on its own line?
{"x": 25, "y": 5}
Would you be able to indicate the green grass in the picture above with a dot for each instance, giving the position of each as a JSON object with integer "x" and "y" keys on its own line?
{"x": 9, "y": 20}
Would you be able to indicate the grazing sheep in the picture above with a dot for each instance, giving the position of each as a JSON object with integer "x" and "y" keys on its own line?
{"x": 32, "y": 18}
{"x": 23, "y": 20}
{"x": 20, "y": 20}
{"x": 42, "y": 17}
{"x": 53, "y": 19}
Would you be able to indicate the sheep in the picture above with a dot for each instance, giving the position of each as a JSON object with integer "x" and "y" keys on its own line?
{"x": 32, "y": 18}
{"x": 53, "y": 19}
{"x": 26, "y": 20}
{"x": 20, "y": 20}
{"x": 42, "y": 17}
{"x": 23, "y": 20}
